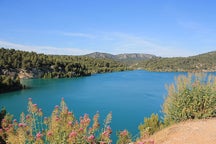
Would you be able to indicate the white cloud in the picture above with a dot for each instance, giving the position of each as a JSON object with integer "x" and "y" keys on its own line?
{"x": 44, "y": 49}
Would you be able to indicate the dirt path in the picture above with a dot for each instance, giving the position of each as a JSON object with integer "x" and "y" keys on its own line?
{"x": 189, "y": 132}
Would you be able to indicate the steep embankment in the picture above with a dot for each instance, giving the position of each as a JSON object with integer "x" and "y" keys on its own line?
{"x": 189, "y": 132}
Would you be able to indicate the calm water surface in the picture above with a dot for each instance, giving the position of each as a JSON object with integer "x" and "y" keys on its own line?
{"x": 130, "y": 96}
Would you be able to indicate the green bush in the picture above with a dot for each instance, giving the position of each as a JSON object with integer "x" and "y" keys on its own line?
{"x": 190, "y": 97}
{"x": 150, "y": 125}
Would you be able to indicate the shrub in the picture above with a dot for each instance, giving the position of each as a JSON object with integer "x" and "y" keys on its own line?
{"x": 61, "y": 127}
{"x": 124, "y": 137}
{"x": 190, "y": 97}
{"x": 150, "y": 125}
{"x": 2, "y": 115}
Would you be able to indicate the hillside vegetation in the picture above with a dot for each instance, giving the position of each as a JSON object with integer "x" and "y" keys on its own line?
{"x": 204, "y": 62}
{"x": 48, "y": 66}
{"x": 16, "y": 64}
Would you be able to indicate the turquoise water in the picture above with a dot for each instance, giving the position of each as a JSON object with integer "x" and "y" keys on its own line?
{"x": 129, "y": 95}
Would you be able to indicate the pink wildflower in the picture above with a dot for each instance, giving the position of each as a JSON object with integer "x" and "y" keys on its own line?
{"x": 34, "y": 108}
{"x": 40, "y": 113}
{"x": 124, "y": 133}
{"x": 105, "y": 133}
{"x": 73, "y": 134}
{"x": 49, "y": 133}
{"x": 30, "y": 99}
{"x": 27, "y": 116}
{"x": 57, "y": 119}
{"x": 70, "y": 123}
{"x": 1, "y": 131}
{"x": 38, "y": 135}
{"x": 91, "y": 138}
{"x": 56, "y": 106}
{"x": 21, "y": 124}
{"x": 109, "y": 130}
{"x": 81, "y": 129}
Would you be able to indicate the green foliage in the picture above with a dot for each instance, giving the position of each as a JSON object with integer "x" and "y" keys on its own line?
{"x": 8, "y": 83}
{"x": 204, "y": 62}
{"x": 150, "y": 125}
{"x": 190, "y": 97}
{"x": 54, "y": 66}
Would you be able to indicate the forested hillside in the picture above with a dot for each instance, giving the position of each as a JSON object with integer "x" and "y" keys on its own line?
{"x": 49, "y": 66}
{"x": 204, "y": 62}
{"x": 15, "y": 64}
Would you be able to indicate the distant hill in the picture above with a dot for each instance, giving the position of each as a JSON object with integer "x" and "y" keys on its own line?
{"x": 127, "y": 58}
{"x": 101, "y": 55}
{"x": 204, "y": 62}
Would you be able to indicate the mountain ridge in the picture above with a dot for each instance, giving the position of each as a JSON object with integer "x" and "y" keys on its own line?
{"x": 124, "y": 56}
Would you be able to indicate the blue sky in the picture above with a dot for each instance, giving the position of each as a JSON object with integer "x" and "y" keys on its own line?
{"x": 166, "y": 28}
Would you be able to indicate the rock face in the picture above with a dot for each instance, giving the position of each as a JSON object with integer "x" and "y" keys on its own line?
{"x": 21, "y": 73}
{"x": 24, "y": 74}
{"x": 133, "y": 56}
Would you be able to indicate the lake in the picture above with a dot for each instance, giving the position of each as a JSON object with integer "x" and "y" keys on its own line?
{"x": 129, "y": 95}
